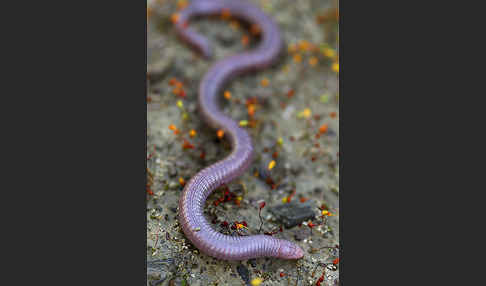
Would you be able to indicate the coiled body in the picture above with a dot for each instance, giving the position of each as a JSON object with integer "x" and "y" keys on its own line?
{"x": 191, "y": 203}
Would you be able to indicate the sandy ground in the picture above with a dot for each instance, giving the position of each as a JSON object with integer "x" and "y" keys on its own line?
{"x": 294, "y": 122}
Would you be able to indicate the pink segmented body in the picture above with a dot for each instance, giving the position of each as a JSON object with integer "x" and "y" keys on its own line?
{"x": 195, "y": 226}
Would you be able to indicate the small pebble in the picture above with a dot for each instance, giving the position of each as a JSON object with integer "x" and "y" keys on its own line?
{"x": 174, "y": 185}
{"x": 172, "y": 171}
{"x": 244, "y": 273}
{"x": 227, "y": 37}
{"x": 293, "y": 213}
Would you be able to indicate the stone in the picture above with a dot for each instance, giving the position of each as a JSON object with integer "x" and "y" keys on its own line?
{"x": 244, "y": 273}
{"x": 173, "y": 185}
{"x": 227, "y": 38}
{"x": 172, "y": 171}
{"x": 293, "y": 213}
